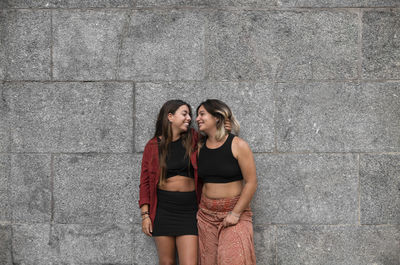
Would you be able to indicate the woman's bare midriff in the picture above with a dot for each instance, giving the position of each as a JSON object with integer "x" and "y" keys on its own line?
{"x": 223, "y": 190}
{"x": 178, "y": 183}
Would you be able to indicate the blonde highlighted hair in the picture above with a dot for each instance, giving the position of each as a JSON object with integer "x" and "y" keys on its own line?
{"x": 223, "y": 113}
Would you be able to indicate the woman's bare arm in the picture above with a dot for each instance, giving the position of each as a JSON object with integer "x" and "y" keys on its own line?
{"x": 244, "y": 155}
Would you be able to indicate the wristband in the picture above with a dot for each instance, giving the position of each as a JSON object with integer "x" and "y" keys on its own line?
{"x": 145, "y": 217}
{"x": 234, "y": 214}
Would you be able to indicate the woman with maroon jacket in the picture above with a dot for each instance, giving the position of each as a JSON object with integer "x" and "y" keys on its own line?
{"x": 169, "y": 188}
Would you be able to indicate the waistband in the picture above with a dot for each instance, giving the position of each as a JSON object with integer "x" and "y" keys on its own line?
{"x": 218, "y": 205}
{"x": 179, "y": 197}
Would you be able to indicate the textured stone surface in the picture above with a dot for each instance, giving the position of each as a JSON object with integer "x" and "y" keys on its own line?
{"x": 336, "y": 117}
{"x": 71, "y": 117}
{"x": 306, "y": 189}
{"x": 86, "y": 44}
{"x": 268, "y": 3}
{"x": 5, "y": 210}
{"x": 5, "y": 245}
{"x": 327, "y": 150}
{"x": 30, "y": 188}
{"x": 282, "y": 45}
{"x": 136, "y": 169}
{"x": 144, "y": 248}
{"x": 195, "y": 3}
{"x": 163, "y": 45}
{"x": 25, "y": 45}
{"x": 94, "y": 189}
{"x": 137, "y": 45}
{"x": 93, "y": 244}
{"x": 344, "y": 245}
{"x": 5, "y": 129}
{"x": 251, "y": 103}
{"x": 32, "y": 244}
{"x": 380, "y": 189}
{"x": 264, "y": 243}
{"x": 339, "y": 3}
{"x": 207, "y": 3}
{"x": 381, "y": 44}
{"x": 65, "y": 3}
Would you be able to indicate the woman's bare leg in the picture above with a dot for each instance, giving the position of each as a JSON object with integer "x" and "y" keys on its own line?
{"x": 166, "y": 249}
{"x": 187, "y": 246}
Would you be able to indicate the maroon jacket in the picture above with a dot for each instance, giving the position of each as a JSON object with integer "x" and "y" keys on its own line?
{"x": 151, "y": 173}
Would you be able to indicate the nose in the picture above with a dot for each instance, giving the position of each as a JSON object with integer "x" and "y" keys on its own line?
{"x": 188, "y": 117}
{"x": 197, "y": 118}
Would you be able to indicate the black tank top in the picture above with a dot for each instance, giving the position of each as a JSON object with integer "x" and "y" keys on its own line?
{"x": 177, "y": 161}
{"x": 219, "y": 165}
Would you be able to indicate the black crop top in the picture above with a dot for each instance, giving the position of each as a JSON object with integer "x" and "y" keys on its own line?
{"x": 177, "y": 161}
{"x": 219, "y": 165}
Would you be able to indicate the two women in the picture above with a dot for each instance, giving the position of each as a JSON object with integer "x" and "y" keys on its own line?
{"x": 167, "y": 194}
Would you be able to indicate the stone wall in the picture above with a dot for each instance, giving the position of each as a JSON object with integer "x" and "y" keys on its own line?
{"x": 314, "y": 83}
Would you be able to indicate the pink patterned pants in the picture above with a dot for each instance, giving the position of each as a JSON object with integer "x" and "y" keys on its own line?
{"x": 219, "y": 245}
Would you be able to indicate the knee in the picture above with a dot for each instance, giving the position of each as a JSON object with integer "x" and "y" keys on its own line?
{"x": 167, "y": 261}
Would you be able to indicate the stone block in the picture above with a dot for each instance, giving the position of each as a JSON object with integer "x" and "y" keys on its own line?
{"x": 163, "y": 45}
{"x": 380, "y": 44}
{"x": 338, "y": 117}
{"x": 5, "y": 167}
{"x": 93, "y": 244}
{"x": 136, "y": 170}
{"x": 71, "y": 117}
{"x": 30, "y": 187}
{"x": 143, "y": 248}
{"x": 5, "y": 245}
{"x": 282, "y": 45}
{"x": 32, "y": 244}
{"x": 65, "y": 3}
{"x": 94, "y": 189}
{"x": 5, "y": 129}
{"x": 87, "y": 43}
{"x": 339, "y": 3}
{"x": 251, "y": 103}
{"x": 207, "y": 3}
{"x": 264, "y": 243}
{"x": 380, "y": 189}
{"x": 332, "y": 245}
{"x": 25, "y": 44}
{"x": 306, "y": 189}
{"x": 266, "y": 3}
{"x": 137, "y": 45}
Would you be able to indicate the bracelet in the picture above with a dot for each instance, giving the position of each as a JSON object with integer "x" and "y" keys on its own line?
{"x": 234, "y": 214}
{"x": 145, "y": 217}
{"x": 144, "y": 213}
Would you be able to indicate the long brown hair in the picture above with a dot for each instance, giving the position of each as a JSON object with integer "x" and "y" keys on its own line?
{"x": 164, "y": 131}
{"x": 220, "y": 110}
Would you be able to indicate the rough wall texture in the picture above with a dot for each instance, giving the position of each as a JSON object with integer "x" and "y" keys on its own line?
{"x": 315, "y": 84}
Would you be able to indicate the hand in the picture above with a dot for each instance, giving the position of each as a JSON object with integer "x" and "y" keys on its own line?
{"x": 146, "y": 226}
{"x": 230, "y": 220}
{"x": 227, "y": 125}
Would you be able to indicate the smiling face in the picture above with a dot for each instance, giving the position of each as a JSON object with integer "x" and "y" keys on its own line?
{"x": 180, "y": 120}
{"x": 205, "y": 120}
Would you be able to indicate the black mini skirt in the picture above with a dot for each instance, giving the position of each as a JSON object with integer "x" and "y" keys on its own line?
{"x": 176, "y": 213}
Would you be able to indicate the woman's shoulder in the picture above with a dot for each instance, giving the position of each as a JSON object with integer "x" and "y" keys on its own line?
{"x": 239, "y": 143}
{"x": 151, "y": 143}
